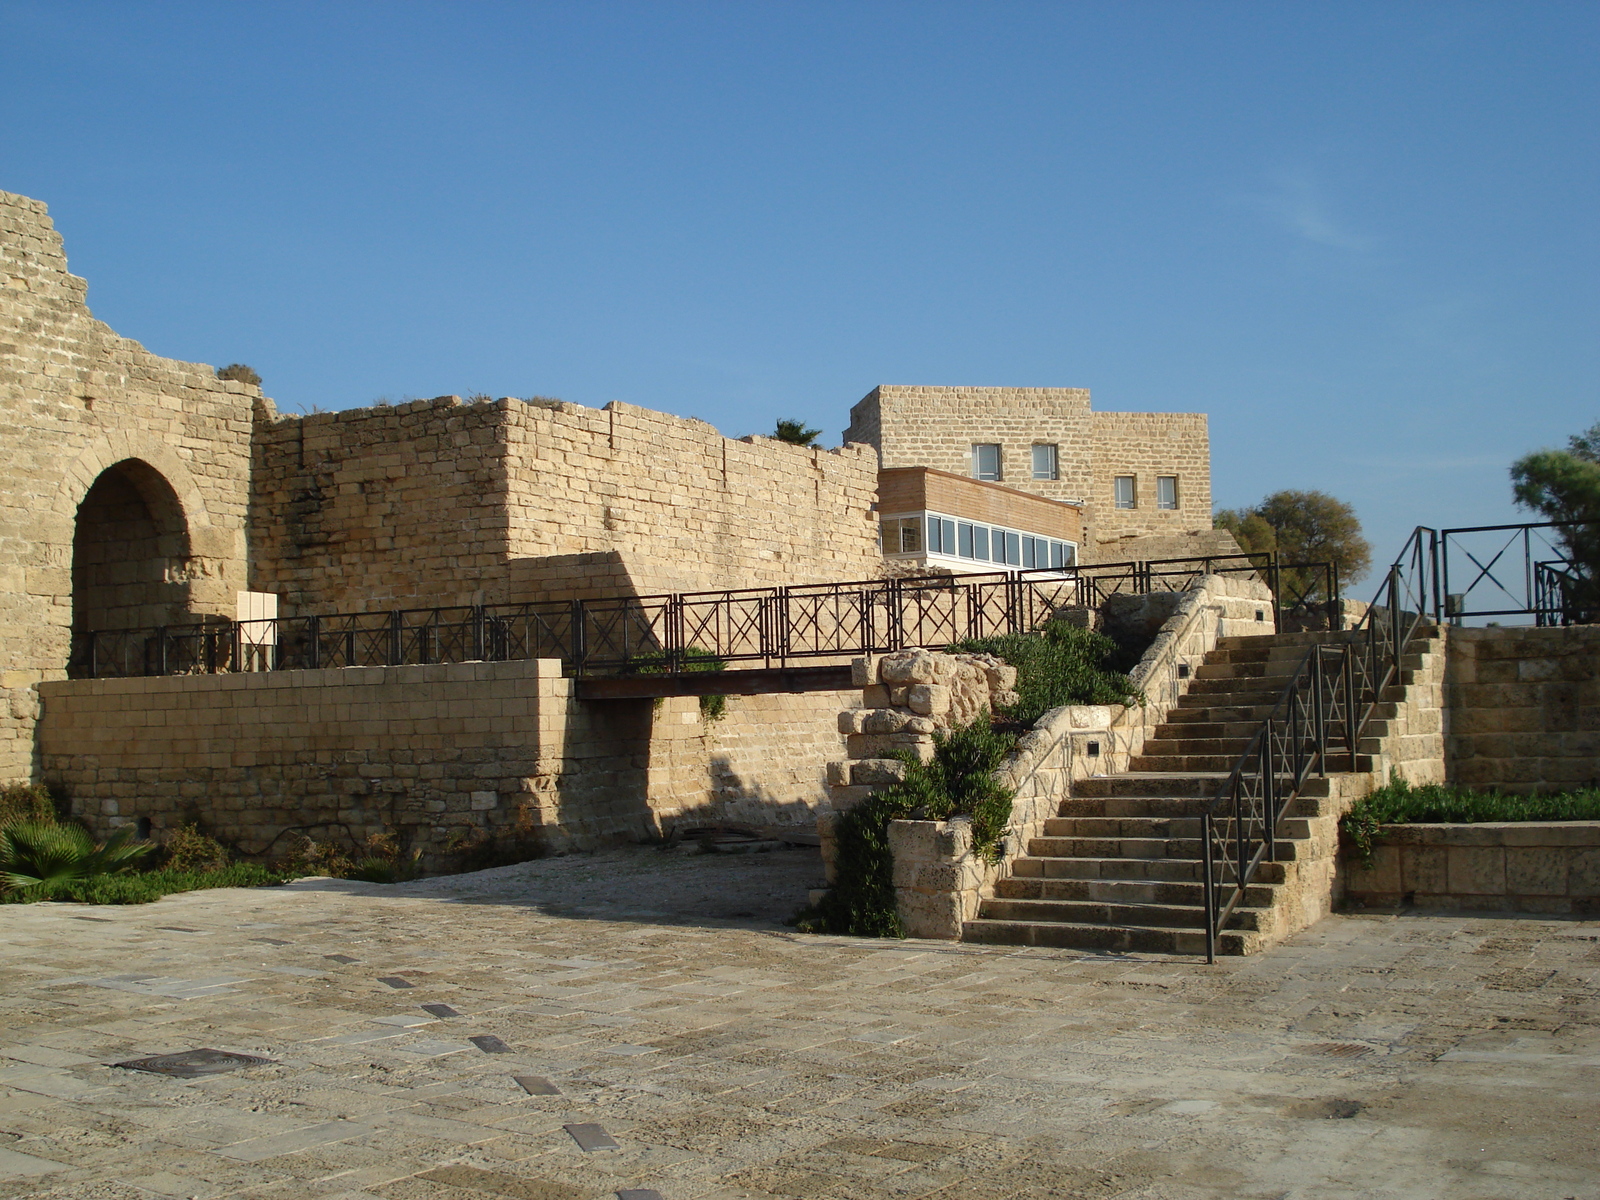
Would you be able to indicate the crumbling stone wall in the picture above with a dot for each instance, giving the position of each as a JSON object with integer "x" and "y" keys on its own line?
{"x": 78, "y": 404}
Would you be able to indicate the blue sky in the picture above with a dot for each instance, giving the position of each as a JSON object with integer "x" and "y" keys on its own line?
{"x": 1362, "y": 237}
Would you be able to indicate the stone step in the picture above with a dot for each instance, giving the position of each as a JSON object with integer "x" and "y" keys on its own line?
{"x": 1120, "y": 939}
{"x": 1122, "y": 891}
{"x": 1168, "y": 807}
{"x": 1288, "y": 849}
{"x": 1152, "y": 827}
{"x": 1174, "y": 763}
{"x": 1151, "y": 783}
{"x": 1091, "y": 912}
{"x": 1162, "y": 870}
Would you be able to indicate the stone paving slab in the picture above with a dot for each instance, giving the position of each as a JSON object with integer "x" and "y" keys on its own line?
{"x": 731, "y": 1058}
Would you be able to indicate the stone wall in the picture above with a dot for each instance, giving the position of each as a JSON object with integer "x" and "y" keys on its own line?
{"x": 440, "y": 502}
{"x": 1523, "y": 708}
{"x": 1535, "y": 866}
{"x": 938, "y": 426}
{"x": 166, "y": 442}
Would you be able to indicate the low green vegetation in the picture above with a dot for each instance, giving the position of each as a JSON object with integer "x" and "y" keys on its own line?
{"x": 381, "y": 860}
{"x": 693, "y": 661}
{"x": 958, "y": 782}
{"x": 142, "y": 887}
{"x": 1061, "y": 664}
{"x": 1400, "y": 803}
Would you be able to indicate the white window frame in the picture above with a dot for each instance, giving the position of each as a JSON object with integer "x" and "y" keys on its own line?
{"x": 1133, "y": 492}
{"x": 977, "y": 462}
{"x": 1053, "y": 470}
{"x": 1162, "y": 482}
{"x": 936, "y": 535}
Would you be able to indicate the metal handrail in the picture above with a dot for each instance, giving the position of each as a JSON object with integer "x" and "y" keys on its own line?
{"x": 658, "y": 633}
{"x": 1332, "y": 688}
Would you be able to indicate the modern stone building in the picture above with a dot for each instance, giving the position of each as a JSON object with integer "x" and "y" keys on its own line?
{"x": 1138, "y": 485}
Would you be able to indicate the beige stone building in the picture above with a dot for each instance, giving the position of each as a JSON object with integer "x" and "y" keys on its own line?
{"x": 1139, "y": 482}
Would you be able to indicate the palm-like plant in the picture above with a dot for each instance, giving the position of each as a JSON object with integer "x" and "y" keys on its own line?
{"x": 39, "y": 854}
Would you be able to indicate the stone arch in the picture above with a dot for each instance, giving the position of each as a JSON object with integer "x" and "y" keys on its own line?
{"x": 130, "y": 551}
{"x": 106, "y": 452}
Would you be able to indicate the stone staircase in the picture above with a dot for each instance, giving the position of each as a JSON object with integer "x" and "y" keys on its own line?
{"x": 1119, "y": 867}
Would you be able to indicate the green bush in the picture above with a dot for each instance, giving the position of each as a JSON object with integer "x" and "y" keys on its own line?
{"x": 693, "y": 660}
{"x": 381, "y": 860}
{"x": 37, "y": 854}
{"x": 959, "y": 781}
{"x": 25, "y": 802}
{"x": 1060, "y": 664}
{"x": 1400, "y": 803}
{"x": 146, "y": 886}
{"x": 190, "y": 850}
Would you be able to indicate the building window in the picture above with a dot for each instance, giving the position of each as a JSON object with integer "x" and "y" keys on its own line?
{"x": 925, "y": 534}
{"x": 1045, "y": 464}
{"x": 902, "y": 536}
{"x": 1122, "y": 490}
{"x": 986, "y": 461}
{"x": 941, "y": 536}
{"x": 1166, "y": 491}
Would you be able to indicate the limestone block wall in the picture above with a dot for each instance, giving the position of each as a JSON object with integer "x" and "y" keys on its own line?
{"x": 1537, "y": 866}
{"x": 769, "y": 754}
{"x": 440, "y": 502}
{"x": 1523, "y": 707}
{"x": 428, "y": 751}
{"x": 167, "y": 441}
{"x": 1146, "y": 445}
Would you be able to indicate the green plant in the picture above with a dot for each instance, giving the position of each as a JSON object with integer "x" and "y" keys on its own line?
{"x": 692, "y": 660}
{"x": 1061, "y": 664}
{"x": 795, "y": 433}
{"x": 43, "y": 854}
{"x": 1564, "y": 485}
{"x": 958, "y": 782}
{"x": 145, "y": 886}
{"x": 26, "y": 802}
{"x": 190, "y": 850}
{"x": 1305, "y": 527}
{"x": 240, "y": 373}
{"x": 382, "y": 859}
{"x": 1401, "y": 803}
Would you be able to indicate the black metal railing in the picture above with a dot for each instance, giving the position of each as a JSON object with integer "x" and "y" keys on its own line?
{"x": 1318, "y": 718}
{"x": 622, "y": 635}
{"x": 1519, "y": 571}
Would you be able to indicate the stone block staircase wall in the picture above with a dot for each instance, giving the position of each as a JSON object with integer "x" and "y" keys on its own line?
{"x": 1119, "y": 867}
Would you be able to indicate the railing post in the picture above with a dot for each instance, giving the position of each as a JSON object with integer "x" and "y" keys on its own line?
{"x": 394, "y": 638}
{"x": 161, "y": 649}
{"x": 1319, "y": 712}
{"x": 579, "y": 649}
{"x": 1208, "y": 888}
{"x": 314, "y": 630}
{"x": 477, "y": 633}
{"x": 94, "y": 655}
{"x": 1269, "y": 796}
{"x": 1438, "y": 595}
{"x": 1394, "y": 615}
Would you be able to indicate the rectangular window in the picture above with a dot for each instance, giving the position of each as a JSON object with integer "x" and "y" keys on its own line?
{"x": 964, "y": 540}
{"x": 1166, "y": 491}
{"x": 1045, "y": 465}
{"x": 1058, "y": 554}
{"x": 1013, "y": 547}
{"x": 1035, "y": 551}
{"x": 1122, "y": 489}
{"x": 910, "y": 536}
{"x": 986, "y": 460}
{"x": 941, "y": 536}
{"x": 980, "y": 543}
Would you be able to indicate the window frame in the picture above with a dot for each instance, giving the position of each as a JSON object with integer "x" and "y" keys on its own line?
{"x": 1133, "y": 493}
{"x": 1177, "y": 495}
{"x": 977, "y": 462}
{"x": 1053, "y": 472}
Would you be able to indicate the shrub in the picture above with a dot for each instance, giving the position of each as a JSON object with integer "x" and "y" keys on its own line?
{"x": 693, "y": 660}
{"x": 26, "y": 802}
{"x": 1061, "y": 664}
{"x": 1400, "y": 803}
{"x": 381, "y": 860}
{"x": 240, "y": 373}
{"x": 480, "y": 849}
{"x": 959, "y": 781}
{"x": 146, "y": 886}
{"x": 43, "y": 854}
{"x": 190, "y": 850}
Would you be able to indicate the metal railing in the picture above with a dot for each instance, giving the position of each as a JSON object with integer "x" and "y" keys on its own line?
{"x": 631, "y": 634}
{"x": 1319, "y": 716}
{"x": 1518, "y": 571}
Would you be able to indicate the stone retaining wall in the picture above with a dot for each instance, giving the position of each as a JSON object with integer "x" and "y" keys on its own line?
{"x": 1534, "y": 866}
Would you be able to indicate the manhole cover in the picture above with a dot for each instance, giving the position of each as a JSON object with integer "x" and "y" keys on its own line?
{"x": 1340, "y": 1049}
{"x": 187, "y": 1064}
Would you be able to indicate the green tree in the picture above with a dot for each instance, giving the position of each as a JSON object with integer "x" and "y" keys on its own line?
{"x": 1564, "y": 485}
{"x": 796, "y": 433}
{"x": 1303, "y": 527}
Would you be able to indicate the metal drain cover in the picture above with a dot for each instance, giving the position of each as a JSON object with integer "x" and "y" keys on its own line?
{"x": 188, "y": 1064}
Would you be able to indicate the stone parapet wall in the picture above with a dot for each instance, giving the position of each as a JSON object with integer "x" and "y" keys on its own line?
{"x": 1534, "y": 866}
{"x": 75, "y": 401}
{"x": 1524, "y": 707}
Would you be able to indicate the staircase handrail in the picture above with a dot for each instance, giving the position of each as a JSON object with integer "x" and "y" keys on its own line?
{"x": 1330, "y": 685}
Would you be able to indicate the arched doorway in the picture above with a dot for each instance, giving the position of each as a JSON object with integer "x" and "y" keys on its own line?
{"x": 130, "y": 552}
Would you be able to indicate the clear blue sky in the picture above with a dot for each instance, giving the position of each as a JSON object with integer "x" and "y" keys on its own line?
{"x": 1363, "y": 237}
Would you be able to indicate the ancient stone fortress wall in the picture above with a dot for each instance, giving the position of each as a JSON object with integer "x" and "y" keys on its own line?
{"x": 440, "y": 502}
{"x": 121, "y": 472}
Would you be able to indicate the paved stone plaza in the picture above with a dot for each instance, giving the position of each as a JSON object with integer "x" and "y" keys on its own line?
{"x": 659, "y": 994}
